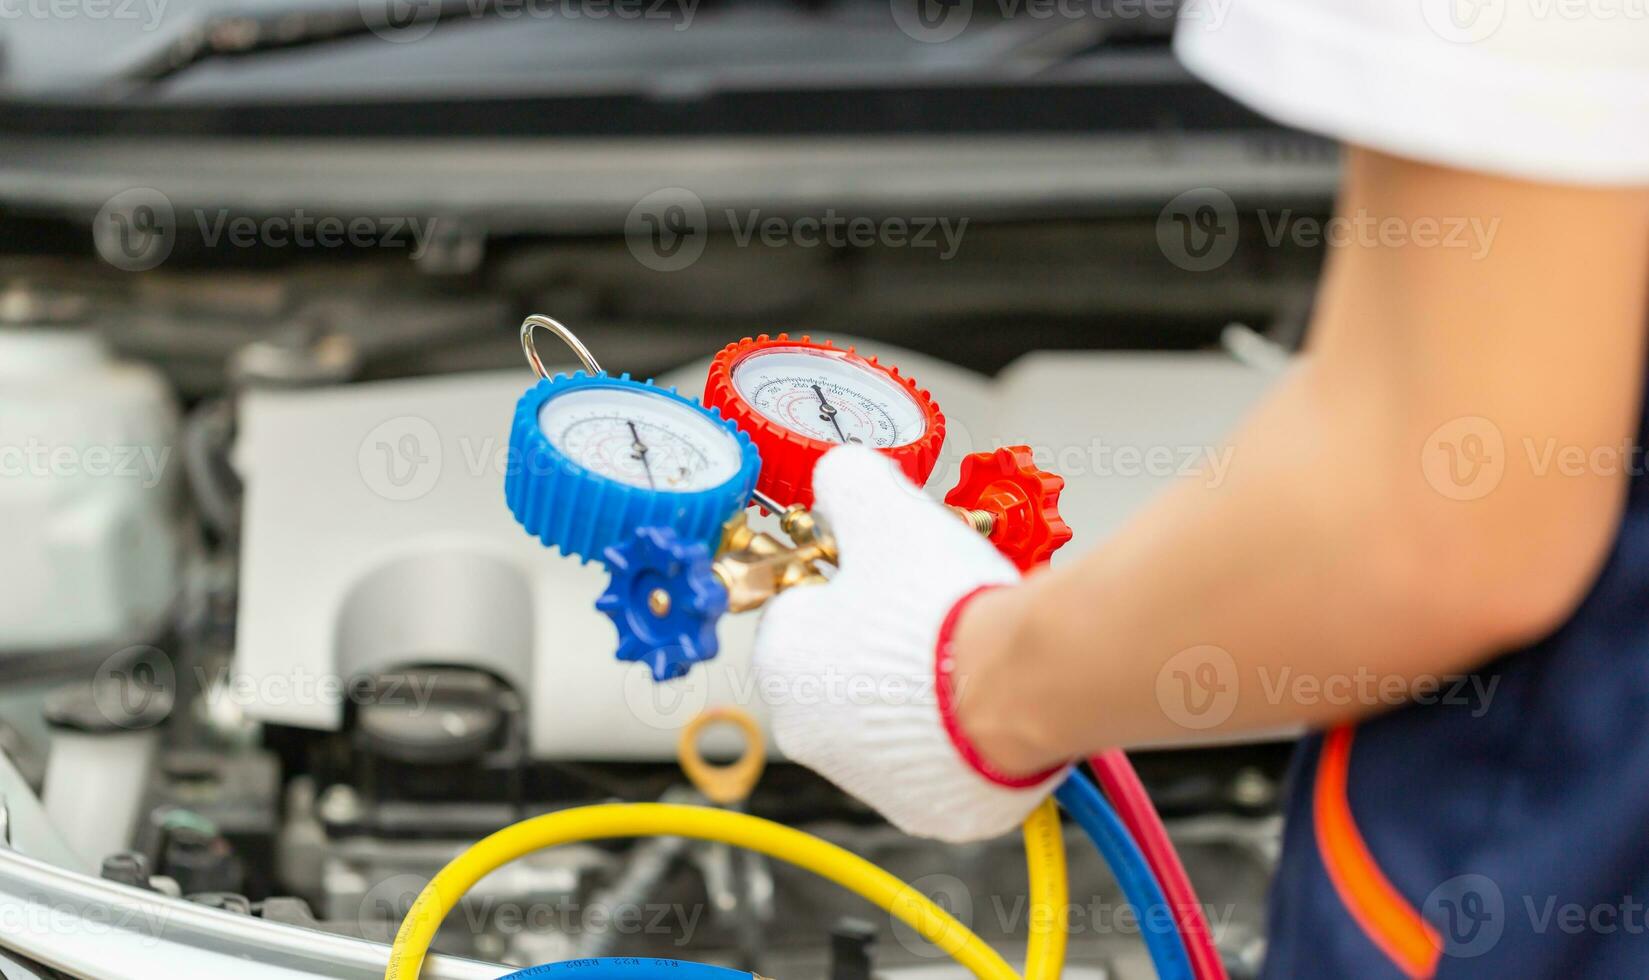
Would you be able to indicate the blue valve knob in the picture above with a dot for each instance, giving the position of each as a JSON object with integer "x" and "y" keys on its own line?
{"x": 592, "y": 458}
{"x": 665, "y": 601}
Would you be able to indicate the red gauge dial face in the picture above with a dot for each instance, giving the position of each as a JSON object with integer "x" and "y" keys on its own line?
{"x": 830, "y": 396}
{"x": 798, "y": 399}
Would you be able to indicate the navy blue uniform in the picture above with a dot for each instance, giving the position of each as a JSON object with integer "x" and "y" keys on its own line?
{"x": 1497, "y": 832}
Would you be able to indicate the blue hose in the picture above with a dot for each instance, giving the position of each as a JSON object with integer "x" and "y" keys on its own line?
{"x": 1082, "y": 800}
{"x": 627, "y": 968}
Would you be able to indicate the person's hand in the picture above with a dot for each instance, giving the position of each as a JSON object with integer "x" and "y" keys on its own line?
{"x": 858, "y": 670}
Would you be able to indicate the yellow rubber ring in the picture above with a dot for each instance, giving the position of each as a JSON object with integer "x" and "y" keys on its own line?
{"x": 724, "y": 784}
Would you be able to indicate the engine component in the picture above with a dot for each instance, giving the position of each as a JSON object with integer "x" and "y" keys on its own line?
{"x": 104, "y": 742}
{"x": 850, "y": 942}
{"x": 128, "y": 868}
{"x": 86, "y": 484}
{"x": 740, "y": 883}
{"x": 26, "y": 828}
{"x": 469, "y": 707}
{"x": 147, "y": 934}
{"x": 231, "y": 902}
{"x": 285, "y": 908}
{"x": 201, "y": 861}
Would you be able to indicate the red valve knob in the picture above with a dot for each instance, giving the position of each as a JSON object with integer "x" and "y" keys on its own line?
{"x": 1022, "y": 499}
{"x": 777, "y": 424}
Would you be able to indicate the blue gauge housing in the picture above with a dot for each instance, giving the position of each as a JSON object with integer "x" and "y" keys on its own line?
{"x": 571, "y": 507}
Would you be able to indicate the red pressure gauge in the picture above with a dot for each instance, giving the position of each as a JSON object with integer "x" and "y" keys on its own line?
{"x": 797, "y": 399}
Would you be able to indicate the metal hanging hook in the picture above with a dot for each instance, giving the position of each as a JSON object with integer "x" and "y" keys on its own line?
{"x": 566, "y": 336}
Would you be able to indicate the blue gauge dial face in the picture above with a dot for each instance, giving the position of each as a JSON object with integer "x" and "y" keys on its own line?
{"x": 640, "y": 439}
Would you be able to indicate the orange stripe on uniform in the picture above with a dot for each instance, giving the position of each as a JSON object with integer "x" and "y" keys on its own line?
{"x": 1378, "y": 908}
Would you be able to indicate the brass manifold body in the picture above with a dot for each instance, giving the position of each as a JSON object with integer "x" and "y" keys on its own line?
{"x": 754, "y": 566}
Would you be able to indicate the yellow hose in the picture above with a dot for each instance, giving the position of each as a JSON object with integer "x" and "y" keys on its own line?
{"x": 852, "y": 872}
{"x": 1050, "y": 893}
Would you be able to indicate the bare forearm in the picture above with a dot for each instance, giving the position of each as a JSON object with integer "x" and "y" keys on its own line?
{"x": 1329, "y": 571}
{"x": 1203, "y": 608}
{"x": 1218, "y": 596}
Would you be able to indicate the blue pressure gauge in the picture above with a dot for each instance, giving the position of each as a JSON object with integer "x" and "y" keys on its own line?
{"x": 595, "y": 458}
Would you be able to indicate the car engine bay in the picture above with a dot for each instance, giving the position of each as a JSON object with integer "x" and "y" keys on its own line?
{"x": 276, "y": 650}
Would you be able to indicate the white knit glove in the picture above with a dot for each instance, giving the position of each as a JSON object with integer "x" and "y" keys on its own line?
{"x": 849, "y": 667}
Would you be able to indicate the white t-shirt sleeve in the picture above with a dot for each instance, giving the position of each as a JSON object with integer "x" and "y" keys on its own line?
{"x": 1549, "y": 90}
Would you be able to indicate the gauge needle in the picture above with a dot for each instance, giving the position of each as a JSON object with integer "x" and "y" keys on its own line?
{"x": 641, "y": 453}
{"x": 827, "y": 412}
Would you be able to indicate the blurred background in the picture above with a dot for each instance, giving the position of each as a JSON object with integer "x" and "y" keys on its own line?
{"x": 268, "y": 635}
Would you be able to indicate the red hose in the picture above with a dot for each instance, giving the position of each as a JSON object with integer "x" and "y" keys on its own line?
{"x": 1117, "y": 777}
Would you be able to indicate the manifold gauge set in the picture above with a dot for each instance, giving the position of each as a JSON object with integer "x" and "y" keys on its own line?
{"x": 655, "y": 486}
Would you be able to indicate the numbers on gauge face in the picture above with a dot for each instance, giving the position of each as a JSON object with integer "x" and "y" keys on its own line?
{"x": 641, "y": 440}
{"x": 829, "y": 396}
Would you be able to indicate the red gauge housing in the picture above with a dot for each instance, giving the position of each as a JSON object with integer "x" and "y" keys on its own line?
{"x": 788, "y": 456}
